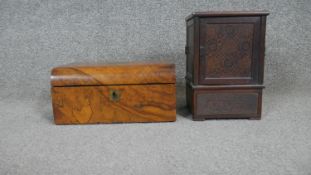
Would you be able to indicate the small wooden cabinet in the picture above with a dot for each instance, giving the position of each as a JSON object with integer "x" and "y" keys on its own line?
{"x": 225, "y": 64}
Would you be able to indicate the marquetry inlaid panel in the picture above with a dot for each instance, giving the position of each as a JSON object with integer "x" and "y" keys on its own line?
{"x": 228, "y": 50}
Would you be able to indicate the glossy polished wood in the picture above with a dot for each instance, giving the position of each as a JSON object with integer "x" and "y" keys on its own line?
{"x": 85, "y": 94}
{"x": 114, "y": 73}
{"x": 94, "y": 104}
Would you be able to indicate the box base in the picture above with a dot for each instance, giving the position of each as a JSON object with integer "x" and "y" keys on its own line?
{"x": 224, "y": 102}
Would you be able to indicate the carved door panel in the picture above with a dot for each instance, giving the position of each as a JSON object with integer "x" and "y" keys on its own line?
{"x": 229, "y": 50}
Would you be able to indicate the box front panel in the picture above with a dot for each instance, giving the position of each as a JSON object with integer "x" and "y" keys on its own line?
{"x": 228, "y": 103}
{"x": 114, "y": 104}
{"x": 229, "y": 50}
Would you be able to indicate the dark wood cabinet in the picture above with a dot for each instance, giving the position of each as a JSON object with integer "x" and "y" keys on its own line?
{"x": 225, "y": 64}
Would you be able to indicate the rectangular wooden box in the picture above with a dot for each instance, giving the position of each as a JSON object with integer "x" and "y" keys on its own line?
{"x": 114, "y": 93}
{"x": 225, "y": 50}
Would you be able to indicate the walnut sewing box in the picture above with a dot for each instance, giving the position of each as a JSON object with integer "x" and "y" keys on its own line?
{"x": 114, "y": 93}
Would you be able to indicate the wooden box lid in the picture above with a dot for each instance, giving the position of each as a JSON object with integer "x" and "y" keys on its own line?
{"x": 113, "y": 74}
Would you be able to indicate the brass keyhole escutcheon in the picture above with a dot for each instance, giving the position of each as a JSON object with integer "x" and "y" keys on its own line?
{"x": 114, "y": 95}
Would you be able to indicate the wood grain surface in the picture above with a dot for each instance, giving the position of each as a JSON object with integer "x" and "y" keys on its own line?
{"x": 113, "y": 74}
{"x": 114, "y": 104}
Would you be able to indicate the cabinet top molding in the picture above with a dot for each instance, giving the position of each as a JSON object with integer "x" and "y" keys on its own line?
{"x": 227, "y": 13}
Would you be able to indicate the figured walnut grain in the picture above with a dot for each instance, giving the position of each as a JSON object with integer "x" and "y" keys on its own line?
{"x": 92, "y": 104}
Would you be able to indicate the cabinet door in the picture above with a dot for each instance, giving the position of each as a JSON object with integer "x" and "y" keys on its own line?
{"x": 229, "y": 50}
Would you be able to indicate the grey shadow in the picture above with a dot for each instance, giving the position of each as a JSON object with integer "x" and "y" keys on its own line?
{"x": 181, "y": 105}
{"x": 44, "y": 106}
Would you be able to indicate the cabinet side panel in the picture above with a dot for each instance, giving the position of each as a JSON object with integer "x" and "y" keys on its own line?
{"x": 190, "y": 50}
{"x": 196, "y": 54}
{"x": 262, "y": 49}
